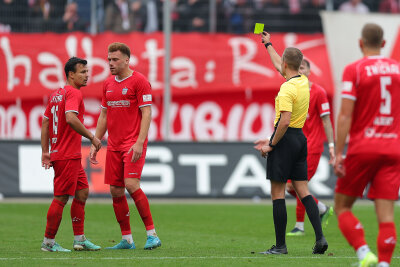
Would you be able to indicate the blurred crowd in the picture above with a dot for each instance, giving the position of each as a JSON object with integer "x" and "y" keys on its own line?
{"x": 120, "y": 16}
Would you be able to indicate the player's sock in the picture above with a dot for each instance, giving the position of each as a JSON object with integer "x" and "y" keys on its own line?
{"x": 121, "y": 210}
{"x": 143, "y": 207}
{"x": 54, "y": 216}
{"x": 386, "y": 241}
{"x": 321, "y": 207}
{"x": 79, "y": 238}
{"x": 299, "y": 225}
{"x": 128, "y": 238}
{"x": 383, "y": 264}
{"x": 313, "y": 215}
{"x": 300, "y": 211}
{"x": 352, "y": 230}
{"x": 50, "y": 241}
{"x": 78, "y": 216}
{"x": 280, "y": 221}
{"x": 151, "y": 232}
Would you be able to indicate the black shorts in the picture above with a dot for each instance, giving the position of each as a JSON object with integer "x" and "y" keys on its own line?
{"x": 288, "y": 160}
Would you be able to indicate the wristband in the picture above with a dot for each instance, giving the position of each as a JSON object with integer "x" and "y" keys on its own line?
{"x": 331, "y": 145}
{"x": 268, "y": 44}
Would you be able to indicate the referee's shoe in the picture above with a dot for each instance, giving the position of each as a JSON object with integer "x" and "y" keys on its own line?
{"x": 276, "y": 250}
{"x": 320, "y": 246}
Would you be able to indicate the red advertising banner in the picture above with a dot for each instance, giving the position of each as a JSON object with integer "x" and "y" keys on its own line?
{"x": 223, "y": 86}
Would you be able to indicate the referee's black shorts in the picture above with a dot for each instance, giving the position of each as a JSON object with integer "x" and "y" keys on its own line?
{"x": 288, "y": 160}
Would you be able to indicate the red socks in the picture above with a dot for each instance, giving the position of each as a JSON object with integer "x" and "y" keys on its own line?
{"x": 78, "y": 216}
{"x": 121, "y": 210}
{"x": 351, "y": 229}
{"x": 386, "y": 241}
{"x": 142, "y": 205}
{"x": 54, "y": 216}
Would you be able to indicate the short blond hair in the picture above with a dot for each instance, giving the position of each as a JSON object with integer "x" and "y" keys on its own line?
{"x": 123, "y": 48}
{"x": 292, "y": 57}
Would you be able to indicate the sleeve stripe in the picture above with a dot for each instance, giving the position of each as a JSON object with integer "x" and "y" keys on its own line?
{"x": 103, "y": 106}
{"x": 144, "y": 105}
{"x": 325, "y": 113}
{"x": 72, "y": 111}
{"x": 44, "y": 116}
{"x": 349, "y": 97}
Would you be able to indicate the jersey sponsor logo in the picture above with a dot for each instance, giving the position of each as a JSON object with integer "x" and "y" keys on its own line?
{"x": 124, "y": 91}
{"x": 347, "y": 86}
{"x": 325, "y": 106}
{"x": 119, "y": 103}
{"x": 56, "y": 99}
{"x": 109, "y": 91}
{"x": 54, "y": 140}
{"x": 146, "y": 98}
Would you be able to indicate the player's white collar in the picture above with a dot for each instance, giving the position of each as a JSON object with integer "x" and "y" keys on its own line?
{"x": 118, "y": 81}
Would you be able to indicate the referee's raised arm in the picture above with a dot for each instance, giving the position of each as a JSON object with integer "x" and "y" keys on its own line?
{"x": 275, "y": 57}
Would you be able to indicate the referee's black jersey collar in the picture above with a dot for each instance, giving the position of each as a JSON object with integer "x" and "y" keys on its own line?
{"x": 297, "y": 76}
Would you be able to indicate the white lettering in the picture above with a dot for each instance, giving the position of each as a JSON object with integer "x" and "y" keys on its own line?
{"x": 267, "y": 114}
{"x": 207, "y": 122}
{"x": 152, "y": 53}
{"x": 187, "y": 76}
{"x": 46, "y": 58}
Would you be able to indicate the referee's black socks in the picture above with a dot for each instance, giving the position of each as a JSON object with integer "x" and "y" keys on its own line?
{"x": 313, "y": 215}
{"x": 280, "y": 221}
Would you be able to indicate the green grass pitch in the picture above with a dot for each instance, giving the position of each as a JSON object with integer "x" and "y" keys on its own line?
{"x": 191, "y": 234}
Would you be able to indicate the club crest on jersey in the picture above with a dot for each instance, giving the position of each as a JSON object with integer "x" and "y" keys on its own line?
{"x": 124, "y": 91}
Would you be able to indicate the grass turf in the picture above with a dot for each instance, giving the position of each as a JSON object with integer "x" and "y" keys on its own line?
{"x": 191, "y": 235}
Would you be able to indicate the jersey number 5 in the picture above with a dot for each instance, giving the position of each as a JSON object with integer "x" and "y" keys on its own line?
{"x": 54, "y": 111}
{"x": 386, "y": 105}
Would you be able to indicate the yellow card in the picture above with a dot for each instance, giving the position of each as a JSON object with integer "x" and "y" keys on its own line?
{"x": 258, "y": 28}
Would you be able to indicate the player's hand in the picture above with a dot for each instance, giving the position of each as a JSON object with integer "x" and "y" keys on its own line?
{"x": 137, "y": 150}
{"x": 93, "y": 154}
{"x": 339, "y": 168}
{"x": 332, "y": 156}
{"x": 96, "y": 143}
{"x": 46, "y": 163}
{"x": 260, "y": 143}
{"x": 265, "y": 37}
{"x": 265, "y": 150}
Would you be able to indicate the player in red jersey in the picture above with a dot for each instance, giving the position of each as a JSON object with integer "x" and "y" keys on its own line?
{"x": 63, "y": 125}
{"x": 126, "y": 114}
{"x": 318, "y": 126}
{"x": 370, "y": 113}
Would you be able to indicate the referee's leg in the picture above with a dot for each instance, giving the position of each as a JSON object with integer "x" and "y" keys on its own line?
{"x": 279, "y": 211}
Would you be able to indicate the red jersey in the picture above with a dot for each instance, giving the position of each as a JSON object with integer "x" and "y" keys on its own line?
{"x": 313, "y": 128}
{"x": 123, "y": 100}
{"x": 374, "y": 84}
{"x": 65, "y": 143}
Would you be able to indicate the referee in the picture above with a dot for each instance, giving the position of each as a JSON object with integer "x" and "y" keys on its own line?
{"x": 287, "y": 147}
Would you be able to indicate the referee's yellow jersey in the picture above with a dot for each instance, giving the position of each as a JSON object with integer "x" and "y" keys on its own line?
{"x": 293, "y": 96}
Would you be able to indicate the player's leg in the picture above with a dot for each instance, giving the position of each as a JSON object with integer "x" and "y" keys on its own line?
{"x": 300, "y": 211}
{"x": 78, "y": 214}
{"x": 387, "y": 236}
{"x": 311, "y": 208}
{"x": 62, "y": 191}
{"x": 114, "y": 177}
{"x": 351, "y": 227}
{"x": 143, "y": 207}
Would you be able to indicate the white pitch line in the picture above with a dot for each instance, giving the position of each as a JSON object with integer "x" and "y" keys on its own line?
{"x": 180, "y": 258}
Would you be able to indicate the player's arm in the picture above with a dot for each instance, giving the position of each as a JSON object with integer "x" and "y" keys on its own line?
{"x": 342, "y": 130}
{"x": 73, "y": 121}
{"x": 275, "y": 57}
{"x": 326, "y": 121}
{"x": 283, "y": 125}
{"x": 137, "y": 148}
{"x": 45, "y": 144}
{"x": 101, "y": 129}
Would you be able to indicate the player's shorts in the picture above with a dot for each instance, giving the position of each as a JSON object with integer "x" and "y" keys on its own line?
{"x": 69, "y": 177}
{"x": 288, "y": 160}
{"x": 312, "y": 165}
{"x": 120, "y": 167}
{"x": 381, "y": 172}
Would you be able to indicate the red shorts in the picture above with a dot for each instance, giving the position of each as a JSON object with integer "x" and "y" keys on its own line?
{"x": 382, "y": 172}
{"x": 120, "y": 167}
{"x": 312, "y": 165}
{"x": 69, "y": 177}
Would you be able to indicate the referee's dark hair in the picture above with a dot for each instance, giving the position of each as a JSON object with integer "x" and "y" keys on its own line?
{"x": 292, "y": 57}
{"x": 71, "y": 65}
